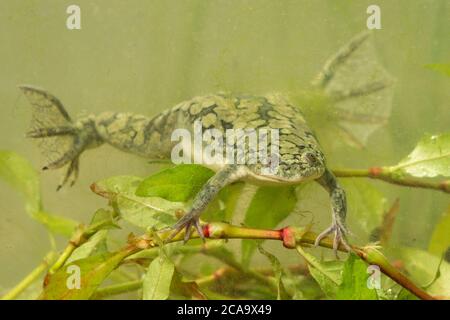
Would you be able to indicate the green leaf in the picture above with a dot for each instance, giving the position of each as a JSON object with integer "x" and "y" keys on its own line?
{"x": 443, "y": 68}
{"x": 95, "y": 244}
{"x": 144, "y": 212}
{"x": 328, "y": 287}
{"x": 354, "y": 281}
{"x": 326, "y": 273}
{"x": 92, "y": 271}
{"x": 148, "y": 212}
{"x": 422, "y": 266}
{"x": 115, "y": 185}
{"x": 277, "y": 270}
{"x": 186, "y": 289}
{"x": 269, "y": 206}
{"x": 103, "y": 219}
{"x": 405, "y": 295}
{"x": 223, "y": 207}
{"x": 179, "y": 183}
{"x": 158, "y": 279}
{"x": 366, "y": 205}
{"x": 18, "y": 172}
{"x": 56, "y": 224}
{"x": 440, "y": 239}
{"x": 430, "y": 158}
{"x": 230, "y": 196}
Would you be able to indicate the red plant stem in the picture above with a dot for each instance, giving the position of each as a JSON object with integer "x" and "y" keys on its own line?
{"x": 291, "y": 238}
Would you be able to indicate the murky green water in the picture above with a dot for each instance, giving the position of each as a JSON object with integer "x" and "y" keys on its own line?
{"x": 145, "y": 56}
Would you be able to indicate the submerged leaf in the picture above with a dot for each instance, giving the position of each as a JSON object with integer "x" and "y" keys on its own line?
{"x": 187, "y": 289}
{"x": 366, "y": 205}
{"x": 179, "y": 183}
{"x": 148, "y": 212}
{"x": 277, "y": 270}
{"x": 230, "y": 196}
{"x": 430, "y": 158}
{"x": 103, "y": 219}
{"x": 405, "y": 295}
{"x": 114, "y": 185}
{"x": 79, "y": 279}
{"x": 422, "y": 267}
{"x": 18, "y": 172}
{"x": 144, "y": 212}
{"x": 56, "y": 224}
{"x": 269, "y": 206}
{"x": 354, "y": 285}
{"x": 158, "y": 279}
{"x": 95, "y": 244}
{"x": 326, "y": 273}
{"x": 440, "y": 239}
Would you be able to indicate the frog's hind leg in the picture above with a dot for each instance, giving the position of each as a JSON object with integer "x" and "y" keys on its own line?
{"x": 222, "y": 178}
{"x": 339, "y": 212}
{"x": 60, "y": 140}
{"x": 358, "y": 89}
{"x": 50, "y": 132}
{"x": 70, "y": 158}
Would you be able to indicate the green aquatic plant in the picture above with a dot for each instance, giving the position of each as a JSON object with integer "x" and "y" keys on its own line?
{"x": 153, "y": 207}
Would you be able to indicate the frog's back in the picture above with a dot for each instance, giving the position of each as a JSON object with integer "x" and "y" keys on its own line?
{"x": 273, "y": 111}
{"x": 152, "y": 137}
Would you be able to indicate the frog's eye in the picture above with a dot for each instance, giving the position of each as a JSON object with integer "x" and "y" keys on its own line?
{"x": 311, "y": 158}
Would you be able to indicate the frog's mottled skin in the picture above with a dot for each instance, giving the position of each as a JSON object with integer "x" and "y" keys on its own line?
{"x": 300, "y": 156}
{"x": 300, "y": 159}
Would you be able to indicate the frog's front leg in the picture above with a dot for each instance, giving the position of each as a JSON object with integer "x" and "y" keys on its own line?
{"x": 225, "y": 176}
{"x": 339, "y": 212}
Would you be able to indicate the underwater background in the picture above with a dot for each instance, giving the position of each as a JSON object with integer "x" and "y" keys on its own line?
{"x": 146, "y": 56}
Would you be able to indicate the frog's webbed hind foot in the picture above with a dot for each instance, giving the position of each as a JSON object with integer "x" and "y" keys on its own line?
{"x": 187, "y": 222}
{"x": 340, "y": 232}
{"x": 60, "y": 139}
{"x": 71, "y": 174}
{"x": 71, "y": 160}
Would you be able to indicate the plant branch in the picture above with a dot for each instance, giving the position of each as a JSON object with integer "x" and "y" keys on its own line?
{"x": 117, "y": 289}
{"x": 79, "y": 237}
{"x": 387, "y": 175}
{"x": 291, "y": 237}
{"x": 30, "y": 278}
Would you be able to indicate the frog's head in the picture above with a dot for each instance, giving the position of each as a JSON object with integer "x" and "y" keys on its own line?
{"x": 290, "y": 168}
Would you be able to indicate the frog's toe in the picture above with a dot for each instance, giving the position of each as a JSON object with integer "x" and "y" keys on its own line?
{"x": 187, "y": 222}
{"x": 339, "y": 232}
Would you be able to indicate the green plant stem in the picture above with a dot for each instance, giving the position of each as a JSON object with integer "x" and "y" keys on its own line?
{"x": 30, "y": 278}
{"x": 291, "y": 238}
{"x": 374, "y": 257}
{"x": 62, "y": 258}
{"x": 117, "y": 289}
{"x": 387, "y": 175}
{"x": 80, "y": 236}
